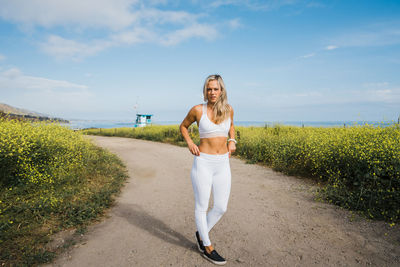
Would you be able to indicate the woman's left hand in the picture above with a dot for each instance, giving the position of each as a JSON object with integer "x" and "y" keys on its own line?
{"x": 231, "y": 147}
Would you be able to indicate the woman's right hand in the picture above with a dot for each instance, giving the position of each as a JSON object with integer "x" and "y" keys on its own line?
{"x": 194, "y": 149}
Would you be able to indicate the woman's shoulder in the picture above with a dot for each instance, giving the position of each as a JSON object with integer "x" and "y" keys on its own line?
{"x": 199, "y": 106}
{"x": 197, "y": 110}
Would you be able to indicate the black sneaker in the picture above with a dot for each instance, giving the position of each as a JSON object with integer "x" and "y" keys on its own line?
{"x": 199, "y": 243}
{"x": 214, "y": 257}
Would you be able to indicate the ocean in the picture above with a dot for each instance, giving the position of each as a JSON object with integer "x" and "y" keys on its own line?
{"x": 83, "y": 124}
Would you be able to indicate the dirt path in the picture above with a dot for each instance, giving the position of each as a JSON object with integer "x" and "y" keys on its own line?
{"x": 271, "y": 220}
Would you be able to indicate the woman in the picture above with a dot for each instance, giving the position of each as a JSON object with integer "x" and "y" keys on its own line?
{"x": 211, "y": 167}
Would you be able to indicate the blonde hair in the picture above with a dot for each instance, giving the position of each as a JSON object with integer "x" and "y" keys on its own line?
{"x": 221, "y": 108}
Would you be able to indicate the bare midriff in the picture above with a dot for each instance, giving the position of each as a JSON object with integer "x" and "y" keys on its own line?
{"x": 215, "y": 145}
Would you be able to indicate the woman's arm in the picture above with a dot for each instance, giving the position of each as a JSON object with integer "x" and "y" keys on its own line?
{"x": 189, "y": 119}
{"x": 231, "y": 144}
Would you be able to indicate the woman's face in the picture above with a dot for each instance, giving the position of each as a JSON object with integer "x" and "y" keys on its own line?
{"x": 213, "y": 91}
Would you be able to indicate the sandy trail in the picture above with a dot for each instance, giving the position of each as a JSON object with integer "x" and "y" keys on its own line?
{"x": 272, "y": 219}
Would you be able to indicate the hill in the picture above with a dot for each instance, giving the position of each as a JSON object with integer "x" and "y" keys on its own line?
{"x": 14, "y": 112}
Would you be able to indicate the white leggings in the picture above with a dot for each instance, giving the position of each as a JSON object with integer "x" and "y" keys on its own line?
{"x": 210, "y": 171}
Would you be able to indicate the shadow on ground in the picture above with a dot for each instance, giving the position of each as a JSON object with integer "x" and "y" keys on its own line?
{"x": 135, "y": 215}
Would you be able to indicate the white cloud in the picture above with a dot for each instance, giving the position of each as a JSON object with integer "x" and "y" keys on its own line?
{"x": 122, "y": 22}
{"x": 315, "y": 5}
{"x": 114, "y": 14}
{"x": 375, "y": 84}
{"x": 379, "y": 34}
{"x": 137, "y": 35}
{"x": 235, "y": 23}
{"x": 254, "y": 4}
{"x": 198, "y": 30}
{"x": 389, "y": 96}
{"x": 219, "y": 3}
{"x": 257, "y": 94}
{"x": 382, "y": 92}
{"x": 14, "y": 79}
{"x": 331, "y": 47}
{"x": 156, "y": 16}
{"x": 308, "y": 94}
{"x": 308, "y": 55}
{"x": 158, "y": 2}
{"x": 2, "y": 57}
{"x": 63, "y": 48}
{"x": 60, "y": 47}
{"x": 325, "y": 97}
{"x": 11, "y": 73}
{"x": 45, "y": 95}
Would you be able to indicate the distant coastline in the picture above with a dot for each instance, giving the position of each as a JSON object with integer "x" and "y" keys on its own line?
{"x": 85, "y": 124}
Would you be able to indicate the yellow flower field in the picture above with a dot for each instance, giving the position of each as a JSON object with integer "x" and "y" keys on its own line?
{"x": 51, "y": 178}
{"x": 358, "y": 166}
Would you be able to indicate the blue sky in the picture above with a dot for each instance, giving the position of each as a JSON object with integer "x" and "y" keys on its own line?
{"x": 289, "y": 60}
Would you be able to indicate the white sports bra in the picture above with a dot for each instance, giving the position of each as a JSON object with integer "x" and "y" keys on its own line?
{"x": 208, "y": 129}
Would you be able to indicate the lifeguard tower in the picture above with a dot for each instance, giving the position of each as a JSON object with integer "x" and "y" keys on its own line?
{"x": 143, "y": 120}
